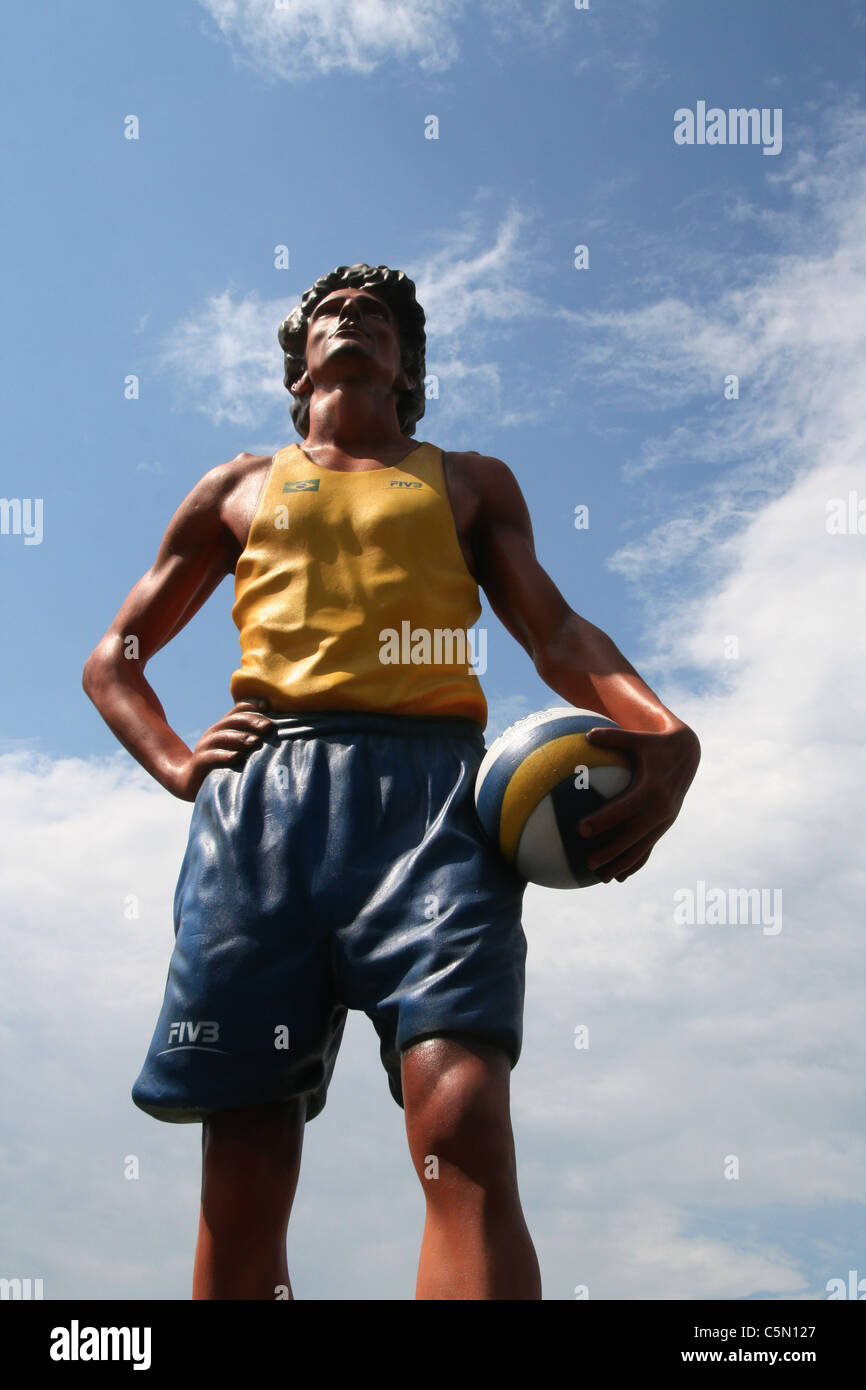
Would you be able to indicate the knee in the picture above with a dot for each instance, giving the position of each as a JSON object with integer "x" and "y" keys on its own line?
{"x": 459, "y": 1129}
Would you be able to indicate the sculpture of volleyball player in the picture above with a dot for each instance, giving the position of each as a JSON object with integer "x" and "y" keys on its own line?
{"x": 334, "y": 858}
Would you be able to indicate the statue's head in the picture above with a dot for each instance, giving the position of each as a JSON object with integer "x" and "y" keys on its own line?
{"x": 398, "y": 292}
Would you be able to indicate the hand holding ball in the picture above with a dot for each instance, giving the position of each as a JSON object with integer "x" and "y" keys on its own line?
{"x": 537, "y": 781}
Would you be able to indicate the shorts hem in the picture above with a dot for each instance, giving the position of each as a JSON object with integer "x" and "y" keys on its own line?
{"x": 197, "y": 1114}
{"x": 468, "y": 1037}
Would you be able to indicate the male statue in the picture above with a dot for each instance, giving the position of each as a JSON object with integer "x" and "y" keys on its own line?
{"x": 335, "y": 860}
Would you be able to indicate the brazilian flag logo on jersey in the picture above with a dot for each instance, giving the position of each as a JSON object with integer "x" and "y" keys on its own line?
{"x": 303, "y": 485}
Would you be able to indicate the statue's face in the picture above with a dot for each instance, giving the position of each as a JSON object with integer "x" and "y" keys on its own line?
{"x": 354, "y": 330}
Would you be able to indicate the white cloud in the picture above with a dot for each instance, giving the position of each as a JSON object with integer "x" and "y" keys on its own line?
{"x": 473, "y": 289}
{"x": 307, "y": 38}
{"x": 226, "y": 360}
{"x": 795, "y": 336}
{"x": 296, "y": 40}
{"x": 465, "y": 285}
{"x": 504, "y": 710}
{"x": 227, "y": 363}
{"x": 736, "y": 1041}
{"x": 703, "y": 1042}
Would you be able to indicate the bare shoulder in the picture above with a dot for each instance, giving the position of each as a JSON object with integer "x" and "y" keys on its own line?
{"x": 227, "y": 494}
{"x": 224, "y": 478}
{"x": 219, "y": 482}
{"x": 488, "y": 480}
{"x": 210, "y": 518}
{"x": 242, "y": 464}
{"x": 482, "y": 470}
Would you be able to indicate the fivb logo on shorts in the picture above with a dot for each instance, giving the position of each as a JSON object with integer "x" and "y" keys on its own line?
{"x": 186, "y": 1031}
{"x": 189, "y": 1033}
{"x": 302, "y": 485}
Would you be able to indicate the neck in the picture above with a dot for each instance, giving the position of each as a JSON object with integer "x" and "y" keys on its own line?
{"x": 355, "y": 417}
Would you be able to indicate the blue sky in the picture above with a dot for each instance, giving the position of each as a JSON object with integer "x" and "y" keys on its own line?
{"x": 605, "y": 386}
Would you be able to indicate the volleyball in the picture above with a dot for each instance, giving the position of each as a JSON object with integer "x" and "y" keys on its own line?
{"x": 537, "y": 781}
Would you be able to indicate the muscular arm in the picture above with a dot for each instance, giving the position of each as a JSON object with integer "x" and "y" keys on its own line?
{"x": 571, "y": 655}
{"x": 583, "y": 665}
{"x": 196, "y": 553}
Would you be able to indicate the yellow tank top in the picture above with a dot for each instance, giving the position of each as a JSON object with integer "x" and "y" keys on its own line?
{"x": 352, "y": 592}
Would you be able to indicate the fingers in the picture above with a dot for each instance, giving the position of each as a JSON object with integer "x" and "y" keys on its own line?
{"x": 617, "y": 738}
{"x": 621, "y": 877}
{"x": 253, "y": 707}
{"x": 641, "y": 830}
{"x": 601, "y": 859}
{"x": 231, "y": 741}
{"x": 227, "y": 747}
{"x": 226, "y": 743}
{"x": 235, "y": 735}
{"x": 230, "y": 738}
{"x": 246, "y": 715}
{"x": 245, "y": 720}
{"x": 618, "y": 809}
{"x": 222, "y": 756}
{"x": 624, "y": 855}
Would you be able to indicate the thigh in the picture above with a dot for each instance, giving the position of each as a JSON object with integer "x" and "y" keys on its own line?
{"x": 250, "y": 1012}
{"x": 251, "y": 1162}
{"x": 438, "y": 946}
{"x": 254, "y": 1140}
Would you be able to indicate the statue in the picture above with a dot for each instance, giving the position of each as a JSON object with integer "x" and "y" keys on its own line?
{"x": 334, "y": 857}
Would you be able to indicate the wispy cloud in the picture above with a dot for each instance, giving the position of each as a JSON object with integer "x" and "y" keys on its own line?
{"x": 297, "y": 40}
{"x": 794, "y": 334}
{"x": 618, "y": 38}
{"x": 474, "y": 291}
{"x": 300, "y": 39}
{"x": 470, "y": 282}
{"x": 225, "y": 357}
{"x": 765, "y": 1029}
{"x": 226, "y": 362}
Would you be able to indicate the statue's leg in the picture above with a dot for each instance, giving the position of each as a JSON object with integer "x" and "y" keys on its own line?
{"x": 251, "y": 1160}
{"x": 476, "y": 1244}
{"x": 250, "y": 1026}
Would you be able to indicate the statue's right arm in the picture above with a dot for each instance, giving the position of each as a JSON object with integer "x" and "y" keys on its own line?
{"x": 197, "y": 551}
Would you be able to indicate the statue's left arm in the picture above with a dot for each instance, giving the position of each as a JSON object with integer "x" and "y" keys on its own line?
{"x": 581, "y": 663}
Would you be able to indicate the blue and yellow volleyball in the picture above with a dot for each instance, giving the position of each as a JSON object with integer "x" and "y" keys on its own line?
{"x": 537, "y": 781}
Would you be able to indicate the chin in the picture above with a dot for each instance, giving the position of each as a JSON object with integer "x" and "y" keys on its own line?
{"x": 355, "y": 344}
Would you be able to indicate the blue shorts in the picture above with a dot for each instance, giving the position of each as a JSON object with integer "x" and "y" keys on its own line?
{"x": 342, "y": 866}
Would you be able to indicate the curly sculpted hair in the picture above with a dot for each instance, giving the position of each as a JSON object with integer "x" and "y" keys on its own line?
{"x": 398, "y": 292}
